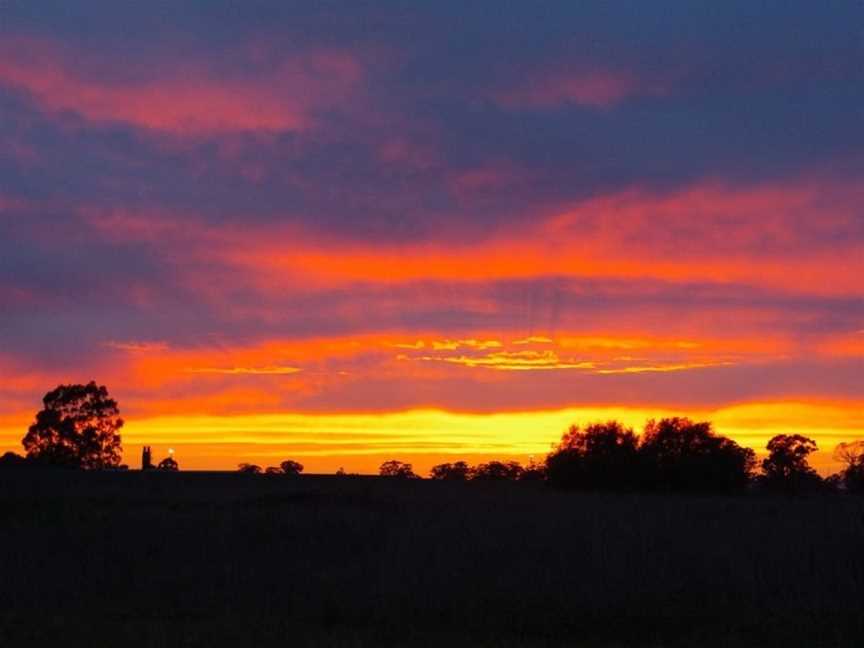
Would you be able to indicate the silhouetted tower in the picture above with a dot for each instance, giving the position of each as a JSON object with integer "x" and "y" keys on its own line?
{"x": 146, "y": 460}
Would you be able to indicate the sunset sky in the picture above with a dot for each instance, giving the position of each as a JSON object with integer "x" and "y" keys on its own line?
{"x": 344, "y": 232}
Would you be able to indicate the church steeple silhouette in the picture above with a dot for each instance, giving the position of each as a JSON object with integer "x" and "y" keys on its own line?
{"x": 146, "y": 461}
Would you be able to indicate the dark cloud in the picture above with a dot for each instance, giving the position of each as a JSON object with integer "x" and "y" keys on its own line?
{"x": 746, "y": 91}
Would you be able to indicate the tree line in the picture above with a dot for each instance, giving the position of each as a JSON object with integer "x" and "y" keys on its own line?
{"x": 671, "y": 455}
{"x": 79, "y": 427}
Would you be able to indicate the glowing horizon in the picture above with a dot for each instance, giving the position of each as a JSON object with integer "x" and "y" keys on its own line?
{"x": 360, "y": 442}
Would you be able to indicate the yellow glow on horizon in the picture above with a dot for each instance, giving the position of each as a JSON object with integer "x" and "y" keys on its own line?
{"x": 359, "y": 442}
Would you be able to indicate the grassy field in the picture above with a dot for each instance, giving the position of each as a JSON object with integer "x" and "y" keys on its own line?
{"x": 234, "y": 560}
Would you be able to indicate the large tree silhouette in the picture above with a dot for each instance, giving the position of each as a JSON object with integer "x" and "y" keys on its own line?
{"x": 78, "y": 427}
{"x": 603, "y": 456}
{"x": 852, "y": 455}
{"x": 678, "y": 454}
{"x": 786, "y": 467}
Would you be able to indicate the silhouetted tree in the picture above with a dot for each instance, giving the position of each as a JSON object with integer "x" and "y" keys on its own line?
{"x": 273, "y": 470}
{"x": 677, "y": 454}
{"x": 833, "y": 483}
{"x": 603, "y": 456}
{"x": 10, "y": 460}
{"x": 497, "y": 471}
{"x": 291, "y": 467}
{"x": 78, "y": 427}
{"x": 398, "y": 469}
{"x": 249, "y": 469}
{"x": 456, "y": 471}
{"x": 168, "y": 464}
{"x": 786, "y": 467}
{"x": 852, "y": 455}
{"x": 533, "y": 472}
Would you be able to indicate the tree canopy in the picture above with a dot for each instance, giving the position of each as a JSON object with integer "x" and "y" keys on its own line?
{"x": 673, "y": 454}
{"x": 456, "y": 471}
{"x": 11, "y": 460}
{"x": 398, "y": 469}
{"x": 678, "y": 454}
{"x": 852, "y": 455}
{"x": 497, "y": 471}
{"x": 77, "y": 427}
{"x": 786, "y": 467}
{"x": 291, "y": 467}
{"x": 602, "y": 456}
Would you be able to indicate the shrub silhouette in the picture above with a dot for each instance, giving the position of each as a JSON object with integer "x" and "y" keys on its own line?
{"x": 397, "y": 469}
{"x": 291, "y": 467}
{"x": 168, "y": 464}
{"x": 786, "y": 468}
{"x": 249, "y": 469}
{"x": 602, "y": 456}
{"x": 456, "y": 471}
{"x": 834, "y": 483}
{"x": 78, "y": 427}
{"x": 677, "y": 454}
{"x": 497, "y": 471}
{"x": 533, "y": 472}
{"x": 852, "y": 455}
{"x": 11, "y": 460}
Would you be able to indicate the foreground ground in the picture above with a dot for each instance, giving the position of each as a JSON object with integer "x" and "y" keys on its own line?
{"x": 234, "y": 560}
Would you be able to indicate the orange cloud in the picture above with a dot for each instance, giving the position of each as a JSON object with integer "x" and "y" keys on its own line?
{"x": 188, "y": 98}
{"x": 844, "y": 346}
{"x": 664, "y": 368}
{"x": 762, "y": 237}
{"x": 269, "y": 370}
{"x": 513, "y": 361}
{"x": 295, "y": 369}
{"x": 787, "y": 237}
{"x": 605, "y": 355}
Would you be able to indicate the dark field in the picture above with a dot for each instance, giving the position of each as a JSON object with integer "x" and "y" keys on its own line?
{"x": 232, "y": 560}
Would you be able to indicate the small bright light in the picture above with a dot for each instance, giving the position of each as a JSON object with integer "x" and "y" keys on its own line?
{"x": 170, "y": 451}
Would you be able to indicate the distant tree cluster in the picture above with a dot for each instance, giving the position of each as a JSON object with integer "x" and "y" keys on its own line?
{"x": 679, "y": 455}
{"x": 489, "y": 471}
{"x": 674, "y": 455}
{"x": 287, "y": 467}
{"x": 397, "y": 470}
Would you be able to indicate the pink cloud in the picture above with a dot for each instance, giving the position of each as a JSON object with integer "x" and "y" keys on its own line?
{"x": 190, "y": 98}
{"x": 591, "y": 88}
{"x": 800, "y": 237}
